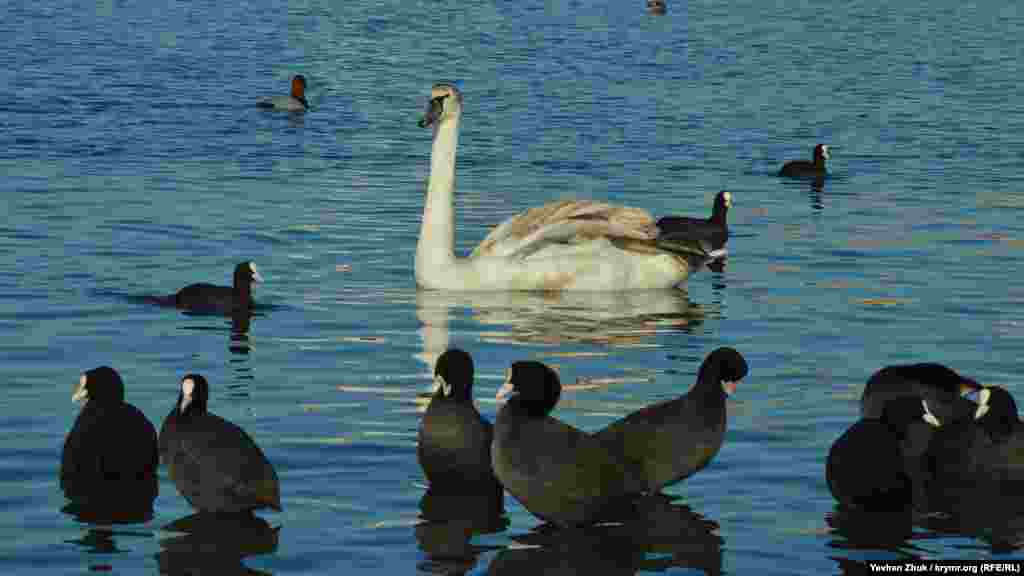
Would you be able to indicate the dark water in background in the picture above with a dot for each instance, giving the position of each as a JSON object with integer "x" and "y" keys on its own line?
{"x": 135, "y": 163}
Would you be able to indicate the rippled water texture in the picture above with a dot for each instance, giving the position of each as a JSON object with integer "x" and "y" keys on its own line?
{"x": 135, "y": 162}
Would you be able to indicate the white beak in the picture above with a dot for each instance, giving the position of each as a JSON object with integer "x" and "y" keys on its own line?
{"x": 187, "y": 386}
{"x": 729, "y": 387}
{"x": 441, "y": 384}
{"x": 929, "y": 417}
{"x": 81, "y": 393}
{"x": 983, "y": 406}
{"x": 507, "y": 388}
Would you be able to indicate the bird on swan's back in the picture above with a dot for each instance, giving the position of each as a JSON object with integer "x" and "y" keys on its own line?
{"x": 564, "y": 245}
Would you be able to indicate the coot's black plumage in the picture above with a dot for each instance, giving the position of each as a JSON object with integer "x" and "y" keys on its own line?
{"x": 215, "y": 464}
{"x": 979, "y": 463}
{"x": 558, "y": 473}
{"x": 866, "y": 467}
{"x": 110, "y": 454}
{"x": 209, "y": 298}
{"x": 454, "y": 442}
{"x": 806, "y": 168}
{"x": 709, "y": 234}
{"x": 926, "y": 380}
{"x": 676, "y": 438}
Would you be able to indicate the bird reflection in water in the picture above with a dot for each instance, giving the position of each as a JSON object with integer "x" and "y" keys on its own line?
{"x": 110, "y": 510}
{"x": 604, "y": 318}
{"x": 240, "y": 321}
{"x": 654, "y": 534}
{"x": 816, "y": 193}
{"x": 214, "y": 543}
{"x": 861, "y": 530}
{"x": 449, "y": 522}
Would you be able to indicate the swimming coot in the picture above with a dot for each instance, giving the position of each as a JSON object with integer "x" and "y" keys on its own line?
{"x": 558, "y": 473}
{"x": 454, "y": 442}
{"x": 804, "y": 168}
{"x": 110, "y": 456}
{"x": 676, "y": 438}
{"x": 212, "y": 299}
{"x": 215, "y": 465}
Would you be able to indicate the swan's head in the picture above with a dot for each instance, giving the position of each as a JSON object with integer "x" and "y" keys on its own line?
{"x": 445, "y": 102}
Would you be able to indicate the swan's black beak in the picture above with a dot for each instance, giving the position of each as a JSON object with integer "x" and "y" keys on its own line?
{"x": 434, "y": 110}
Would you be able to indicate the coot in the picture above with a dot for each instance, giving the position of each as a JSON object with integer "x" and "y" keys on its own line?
{"x": 110, "y": 456}
{"x": 676, "y": 438}
{"x": 558, "y": 473}
{"x": 454, "y": 442}
{"x": 215, "y": 465}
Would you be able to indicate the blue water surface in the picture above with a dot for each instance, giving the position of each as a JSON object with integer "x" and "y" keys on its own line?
{"x": 136, "y": 162}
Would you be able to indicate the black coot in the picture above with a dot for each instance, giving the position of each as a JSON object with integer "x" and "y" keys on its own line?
{"x": 869, "y": 467}
{"x": 805, "y": 168}
{"x": 212, "y": 299}
{"x": 557, "y": 472}
{"x": 454, "y": 443}
{"x": 709, "y": 234}
{"x": 676, "y": 438}
{"x": 922, "y": 380}
{"x": 979, "y": 463}
{"x": 110, "y": 456}
{"x": 215, "y": 465}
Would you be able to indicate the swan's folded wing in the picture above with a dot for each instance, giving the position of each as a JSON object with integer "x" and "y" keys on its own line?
{"x": 566, "y": 222}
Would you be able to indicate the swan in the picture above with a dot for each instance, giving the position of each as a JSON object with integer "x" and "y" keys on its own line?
{"x": 563, "y": 245}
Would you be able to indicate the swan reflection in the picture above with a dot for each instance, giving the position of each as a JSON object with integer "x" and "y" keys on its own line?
{"x": 607, "y": 318}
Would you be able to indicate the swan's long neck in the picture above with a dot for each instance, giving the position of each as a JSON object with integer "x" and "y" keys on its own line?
{"x": 436, "y": 247}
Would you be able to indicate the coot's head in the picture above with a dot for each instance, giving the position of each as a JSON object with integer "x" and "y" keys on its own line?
{"x": 101, "y": 385}
{"x": 533, "y": 387}
{"x": 246, "y": 274}
{"x": 453, "y": 375}
{"x": 899, "y": 413}
{"x": 193, "y": 396}
{"x": 934, "y": 375}
{"x": 821, "y": 151}
{"x": 723, "y": 201}
{"x": 997, "y": 411}
{"x": 445, "y": 103}
{"x": 725, "y": 367}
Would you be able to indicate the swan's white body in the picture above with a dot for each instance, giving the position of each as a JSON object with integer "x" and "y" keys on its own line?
{"x": 565, "y": 245}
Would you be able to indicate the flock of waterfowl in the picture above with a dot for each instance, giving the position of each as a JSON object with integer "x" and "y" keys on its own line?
{"x": 921, "y": 443}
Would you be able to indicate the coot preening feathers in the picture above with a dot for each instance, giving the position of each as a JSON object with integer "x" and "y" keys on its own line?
{"x": 215, "y": 465}
{"x": 979, "y": 463}
{"x": 868, "y": 468}
{"x": 676, "y": 438}
{"x": 557, "y": 472}
{"x": 110, "y": 455}
{"x": 454, "y": 442}
{"x": 921, "y": 380}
